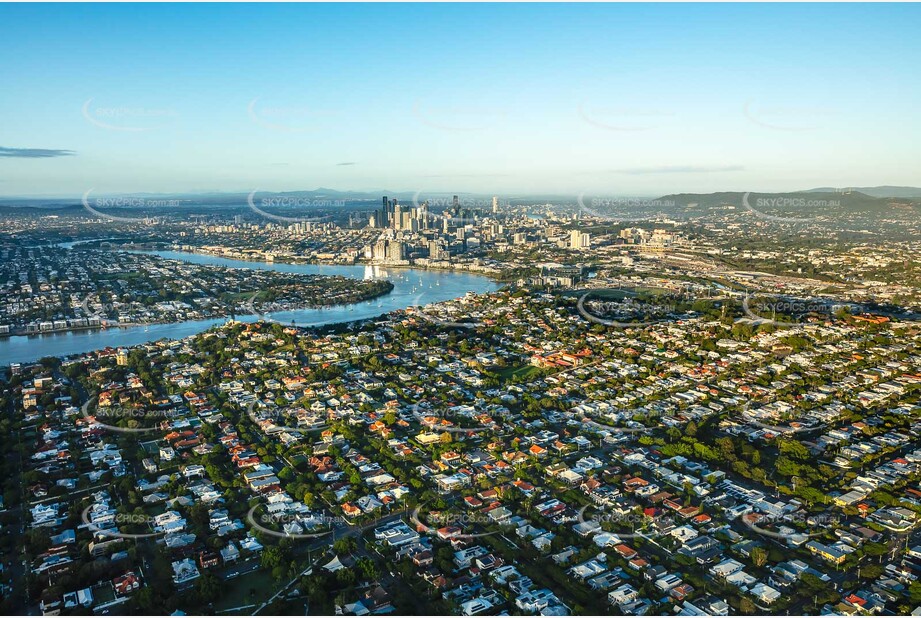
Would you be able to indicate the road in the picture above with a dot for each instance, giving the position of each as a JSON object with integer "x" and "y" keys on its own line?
{"x": 340, "y": 531}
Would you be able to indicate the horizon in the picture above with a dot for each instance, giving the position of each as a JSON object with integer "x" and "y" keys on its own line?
{"x": 374, "y": 194}
{"x": 624, "y": 100}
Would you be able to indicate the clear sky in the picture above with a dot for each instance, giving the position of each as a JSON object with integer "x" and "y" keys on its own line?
{"x": 509, "y": 99}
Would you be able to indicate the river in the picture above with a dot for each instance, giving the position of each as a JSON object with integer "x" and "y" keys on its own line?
{"x": 411, "y": 287}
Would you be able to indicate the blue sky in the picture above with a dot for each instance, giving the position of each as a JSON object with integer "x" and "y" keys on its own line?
{"x": 509, "y": 99}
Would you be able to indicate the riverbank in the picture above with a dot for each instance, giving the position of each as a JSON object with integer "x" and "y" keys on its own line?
{"x": 490, "y": 273}
{"x": 411, "y": 287}
{"x": 246, "y": 309}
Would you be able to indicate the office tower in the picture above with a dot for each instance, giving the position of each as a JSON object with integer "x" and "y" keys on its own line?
{"x": 456, "y": 203}
{"x": 422, "y": 214}
{"x": 495, "y": 204}
{"x": 381, "y": 215}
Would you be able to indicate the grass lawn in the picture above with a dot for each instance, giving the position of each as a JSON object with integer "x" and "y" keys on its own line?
{"x": 254, "y": 587}
{"x": 104, "y": 593}
{"x": 298, "y": 459}
{"x": 618, "y": 294}
{"x": 523, "y": 372}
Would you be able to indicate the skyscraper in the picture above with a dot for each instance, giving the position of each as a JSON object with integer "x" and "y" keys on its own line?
{"x": 384, "y": 219}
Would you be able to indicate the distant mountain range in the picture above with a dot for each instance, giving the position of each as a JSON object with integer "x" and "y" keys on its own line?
{"x": 232, "y": 197}
{"x": 866, "y": 199}
{"x": 852, "y": 200}
{"x": 883, "y": 191}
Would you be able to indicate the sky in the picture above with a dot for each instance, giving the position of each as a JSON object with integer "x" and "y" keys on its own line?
{"x": 508, "y": 99}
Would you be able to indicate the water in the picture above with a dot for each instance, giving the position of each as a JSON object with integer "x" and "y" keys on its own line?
{"x": 411, "y": 287}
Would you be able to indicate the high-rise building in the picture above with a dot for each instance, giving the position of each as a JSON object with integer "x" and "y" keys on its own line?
{"x": 435, "y": 250}
{"x": 579, "y": 240}
{"x": 386, "y": 210}
{"x": 422, "y": 215}
{"x": 495, "y": 204}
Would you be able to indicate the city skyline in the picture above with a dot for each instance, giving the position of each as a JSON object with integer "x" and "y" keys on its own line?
{"x": 486, "y": 99}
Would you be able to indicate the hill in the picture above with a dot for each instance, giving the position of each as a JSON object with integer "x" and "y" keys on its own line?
{"x": 882, "y": 191}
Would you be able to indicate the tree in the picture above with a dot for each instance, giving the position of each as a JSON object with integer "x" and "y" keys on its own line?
{"x": 146, "y": 599}
{"x": 344, "y": 546}
{"x": 914, "y": 593}
{"x": 367, "y": 568}
{"x": 209, "y": 588}
{"x": 759, "y": 556}
{"x": 273, "y": 557}
{"x": 793, "y": 449}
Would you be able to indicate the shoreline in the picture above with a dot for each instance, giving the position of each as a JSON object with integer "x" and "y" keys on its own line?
{"x": 492, "y": 276}
{"x": 77, "y": 329}
{"x": 28, "y": 347}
